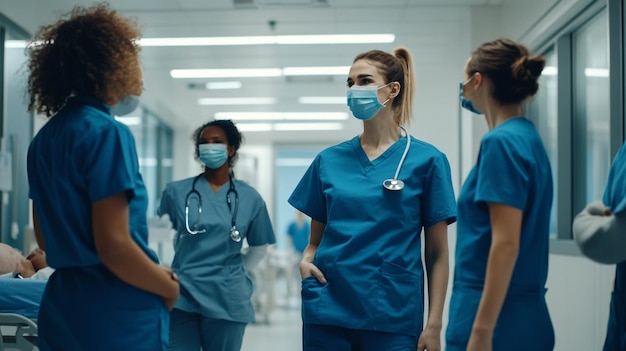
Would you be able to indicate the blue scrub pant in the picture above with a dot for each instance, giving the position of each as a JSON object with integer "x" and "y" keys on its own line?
{"x": 616, "y": 329}
{"x": 190, "y": 331}
{"x": 317, "y": 337}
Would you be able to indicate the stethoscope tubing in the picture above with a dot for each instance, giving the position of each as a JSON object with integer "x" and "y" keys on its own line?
{"x": 234, "y": 233}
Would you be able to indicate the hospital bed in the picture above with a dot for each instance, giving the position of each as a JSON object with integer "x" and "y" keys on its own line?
{"x": 19, "y": 306}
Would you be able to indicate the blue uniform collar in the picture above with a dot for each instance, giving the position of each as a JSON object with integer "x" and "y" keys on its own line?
{"x": 89, "y": 101}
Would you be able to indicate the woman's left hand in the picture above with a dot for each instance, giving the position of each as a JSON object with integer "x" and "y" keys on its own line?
{"x": 430, "y": 340}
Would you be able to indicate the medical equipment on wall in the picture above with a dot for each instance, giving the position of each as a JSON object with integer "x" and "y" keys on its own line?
{"x": 234, "y": 233}
{"x": 395, "y": 183}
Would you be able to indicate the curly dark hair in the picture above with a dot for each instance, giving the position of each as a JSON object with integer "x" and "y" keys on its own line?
{"x": 88, "y": 52}
{"x": 510, "y": 66}
{"x": 233, "y": 137}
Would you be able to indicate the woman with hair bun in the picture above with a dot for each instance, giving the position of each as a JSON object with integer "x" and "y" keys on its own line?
{"x": 498, "y": 296}
{"x": 363, "y": 281}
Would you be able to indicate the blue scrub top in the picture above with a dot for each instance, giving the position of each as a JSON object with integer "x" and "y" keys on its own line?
{"x": 80, "y": 156}
{"x": 210, "y": 265}
{"x": 370, "y": 252}
{"x": 615, "y": 199}
{"x": 512, "y": 169}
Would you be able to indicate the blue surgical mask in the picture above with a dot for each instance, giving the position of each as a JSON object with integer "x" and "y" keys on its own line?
{"x": 363, "y": 101}
{"x": 125, "y": 106}
{"x": 467, "y": 104}
{"x": 213, "y": 155}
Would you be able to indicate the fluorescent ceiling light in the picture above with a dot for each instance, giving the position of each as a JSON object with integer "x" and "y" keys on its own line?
{"x": 287, "y": 127}
{"x": 549, "y": 71}
{"x": 254, "y": 127}
{"x": 238, "y": 101}
{"x": 323, "y": 100}
{"x": 283, "y": 127}
{"x": 270, "y": 39}
{"x": 226, "y": 73}
{"x": 316, "y": 71}
{"x": 274, "y": 116}
{"x": 15, "y": 44}
{"x": 259, "y": 72}
{"x": 129, "y": 120}
{"x": 223, "y": 85}
{"x": 596, "y": 72}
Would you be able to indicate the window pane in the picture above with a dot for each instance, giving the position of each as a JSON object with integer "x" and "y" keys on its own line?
{"x": 591, "y": 111}
{"x": 546, "y": 118}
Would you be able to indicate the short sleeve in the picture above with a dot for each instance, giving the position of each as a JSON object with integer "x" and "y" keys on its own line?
{"x": 502, "y": 175}
{"x": 308, "y": 195}
{"x": 166, "y": 206}
{"x": 439, "y": 200}
{"x": 260, "y": 231}
{"x": 110, "y": 163}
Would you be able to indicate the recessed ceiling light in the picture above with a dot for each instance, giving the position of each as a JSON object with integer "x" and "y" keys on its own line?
{"x": 238, "y": 101}
{"x": 223, "y": 85}
{"x": 274, "y": 116}
{"x": 271, "y": 39}
{"x": 323, "y": 100}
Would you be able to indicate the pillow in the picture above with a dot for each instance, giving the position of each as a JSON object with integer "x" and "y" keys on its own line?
{"x": 10, "y": 258}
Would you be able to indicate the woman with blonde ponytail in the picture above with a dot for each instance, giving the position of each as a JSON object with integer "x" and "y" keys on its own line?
{"x": 369, "y": 199}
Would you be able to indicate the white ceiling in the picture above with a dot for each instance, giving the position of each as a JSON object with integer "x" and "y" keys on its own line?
{"x": 424, "y": 26}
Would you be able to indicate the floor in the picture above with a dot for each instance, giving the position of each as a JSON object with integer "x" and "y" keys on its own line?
{"x": 282, "y": 332}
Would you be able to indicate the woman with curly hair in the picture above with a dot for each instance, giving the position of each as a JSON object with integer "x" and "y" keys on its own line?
{"x": 89, "y": 201}
{"x": 213, "y": 212}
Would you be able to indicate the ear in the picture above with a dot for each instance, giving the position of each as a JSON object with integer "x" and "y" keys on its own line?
{"x": 395, "y": 89}
{"x": 231, "y": 151}
{"x": 479, "y": 79}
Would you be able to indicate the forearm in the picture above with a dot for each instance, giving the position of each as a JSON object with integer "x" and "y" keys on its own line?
{"x": 437, "y": 270}
{"x": 500, "y": 265}
{"x": 129, "y": 263}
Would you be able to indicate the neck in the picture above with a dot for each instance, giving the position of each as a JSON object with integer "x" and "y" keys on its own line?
{"x": 217, "y": 177}
{"x": 380, "y": 130}
{"x": 497, "y": 114}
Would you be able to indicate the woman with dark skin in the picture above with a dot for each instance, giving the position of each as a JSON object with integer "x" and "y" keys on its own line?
{"x": 89, "y": 200}
{"x": 212, "y": 213}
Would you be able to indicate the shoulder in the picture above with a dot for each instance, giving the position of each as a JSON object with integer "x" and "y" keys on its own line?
{"x": 178, "y": 185}
{"x": 245, "y": 188}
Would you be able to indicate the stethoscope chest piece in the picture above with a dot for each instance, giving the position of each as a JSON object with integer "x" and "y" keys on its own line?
{"x": 393, "y": 184}
{"x": 234, "y": 234}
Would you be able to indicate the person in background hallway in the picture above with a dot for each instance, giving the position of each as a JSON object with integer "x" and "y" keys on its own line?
{"x": 600, "y": 232}
{"x": 108, "y": 291}
{"x": 363, "y": 284}
{"x": 212, "y": 213}
{"x": 498, "y": 295}
{"x": 298, "y": 231}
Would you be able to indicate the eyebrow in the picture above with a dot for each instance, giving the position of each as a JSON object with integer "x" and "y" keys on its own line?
{"x": 361, "y": 76}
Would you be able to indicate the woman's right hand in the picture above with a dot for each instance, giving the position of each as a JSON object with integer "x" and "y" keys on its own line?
{"x": 308, "y": 269}
{"x": 170, "y": 300}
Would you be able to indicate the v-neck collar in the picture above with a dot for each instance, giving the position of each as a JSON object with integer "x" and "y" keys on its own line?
{"x": 365, "y": 161}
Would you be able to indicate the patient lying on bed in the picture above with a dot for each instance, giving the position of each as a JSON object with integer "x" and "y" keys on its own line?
{"x": 14, "y": 265}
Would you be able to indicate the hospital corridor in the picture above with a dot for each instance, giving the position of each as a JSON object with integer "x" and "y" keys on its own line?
{"x": 345, "y": 175}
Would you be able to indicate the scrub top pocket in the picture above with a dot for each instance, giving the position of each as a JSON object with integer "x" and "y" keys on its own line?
{"x": 399, "y": 299}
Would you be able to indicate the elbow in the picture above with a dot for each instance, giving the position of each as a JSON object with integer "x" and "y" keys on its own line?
{"x": 506, "y": 248}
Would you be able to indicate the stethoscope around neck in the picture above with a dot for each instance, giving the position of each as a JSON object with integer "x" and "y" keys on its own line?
{"x": 395, "y": 183}
{"x": 234, "y": 233}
